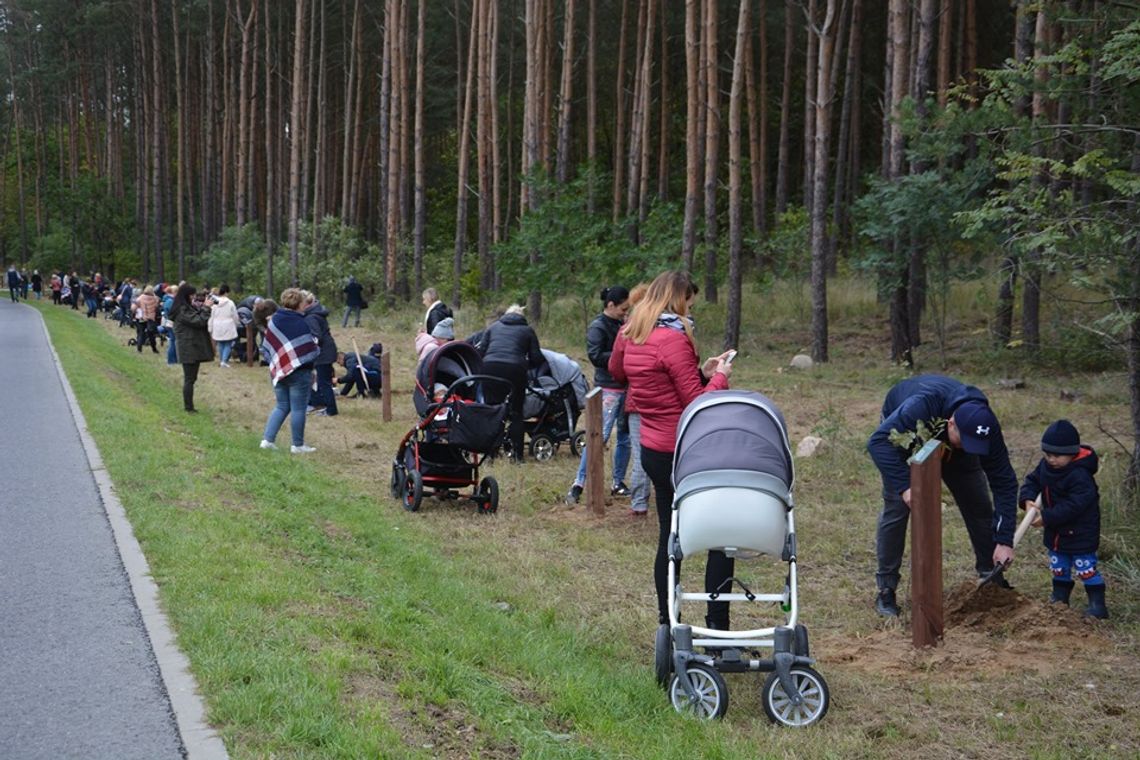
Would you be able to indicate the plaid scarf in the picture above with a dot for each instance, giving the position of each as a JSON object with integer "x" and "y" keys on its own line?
{"x": 291, "y": 344}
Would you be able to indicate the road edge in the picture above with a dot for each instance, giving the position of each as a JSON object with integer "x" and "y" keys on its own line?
{"x": 199, "y": 739}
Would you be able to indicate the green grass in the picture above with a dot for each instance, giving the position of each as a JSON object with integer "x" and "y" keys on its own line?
{"x": 321, "y": 620}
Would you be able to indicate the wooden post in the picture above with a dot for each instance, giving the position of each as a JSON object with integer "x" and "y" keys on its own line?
{"x": 250, "y": 344}
{"x": 926, "y": 620}
{"x": 385, "y": 387}
{"x": 595, "y": 454}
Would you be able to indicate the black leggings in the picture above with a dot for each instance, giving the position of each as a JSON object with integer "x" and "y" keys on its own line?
{"x": 515, "y": 374}
{"x": 658, "y": 466}
{"x": 189, "y": 377}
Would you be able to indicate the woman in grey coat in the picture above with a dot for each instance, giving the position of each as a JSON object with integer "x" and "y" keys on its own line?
{"x": 191, "y": 338}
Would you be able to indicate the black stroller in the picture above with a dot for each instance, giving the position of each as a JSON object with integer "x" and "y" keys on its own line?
{"x": 462, "y": 421}
{"x": 733, "y": 476}
{"x": 555, "y": 396}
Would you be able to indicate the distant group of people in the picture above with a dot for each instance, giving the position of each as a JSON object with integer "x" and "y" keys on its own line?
{"x": 19, "y": 282}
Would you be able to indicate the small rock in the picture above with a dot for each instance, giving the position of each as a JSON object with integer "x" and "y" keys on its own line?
{"x": 1011, "y": 382}
{"x": 808, "y": 446}
{"x": 801, "y": 361}
{"x": 503, "y": 606}
{"x": 1070, "y": 395}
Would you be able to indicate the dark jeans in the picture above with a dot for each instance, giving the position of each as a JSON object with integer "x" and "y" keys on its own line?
{"x": 658, "y": 465}
{"x": 189, "y": 377}
{"x": 14, "y": 291}
{"x": 323, "y": 395}
{"x": 963, "y": 475}
{"x": 515, "y": 374}
{"x": 146, "y": 332}
{"x": 364, "y": 382}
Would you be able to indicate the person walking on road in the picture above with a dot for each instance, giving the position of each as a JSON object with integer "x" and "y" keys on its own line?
{"x": 191, "y": 332}
{"x": 978, "y": 464}
{"x": 13, "y": 283}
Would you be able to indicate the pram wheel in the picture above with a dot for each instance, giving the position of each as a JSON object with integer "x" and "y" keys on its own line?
{"x": 542, "y": 447}
{"x": 413, "y": 491}
{"x": 578, "y": 443}
{"x": 712, "y": 692}
{"x": 663, "y": 655}
{"x": 487, "y": 497}
{"x": 396, "y": 487}
{"x": 778, "y": 705}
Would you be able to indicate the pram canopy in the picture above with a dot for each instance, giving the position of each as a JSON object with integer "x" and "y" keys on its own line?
{"x": 444, "y": 366}
{"x": 563, "y": 372}
{"x": 733, "y": 430}
{"x": 733, "y": 474}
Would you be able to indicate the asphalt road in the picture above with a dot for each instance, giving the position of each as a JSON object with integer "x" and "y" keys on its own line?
{"x": 78, "y": 674}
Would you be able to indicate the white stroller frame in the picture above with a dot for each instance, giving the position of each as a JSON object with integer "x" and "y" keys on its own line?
{"x": 707, "y": 515}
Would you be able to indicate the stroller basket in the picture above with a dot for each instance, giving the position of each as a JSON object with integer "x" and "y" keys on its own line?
{"x": 477, "y": 427}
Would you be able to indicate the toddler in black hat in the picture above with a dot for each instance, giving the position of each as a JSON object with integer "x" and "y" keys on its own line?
{"x": 1070, "y": 513}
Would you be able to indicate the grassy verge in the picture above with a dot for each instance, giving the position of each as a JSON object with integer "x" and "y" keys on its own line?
{"x": 323, "y": 621}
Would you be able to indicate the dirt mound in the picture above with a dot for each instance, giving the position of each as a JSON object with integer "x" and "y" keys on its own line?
{"x": 987, "y": 631}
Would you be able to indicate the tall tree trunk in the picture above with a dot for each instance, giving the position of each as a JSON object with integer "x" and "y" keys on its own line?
{"x": 296, "y": 117}
{"x": 395, "y": 165}
{"x": 483, "y": 138}
{"x": 565, "y": 92}
{"x": 900, "y": 59}
{"x": 839, "y": 216}
{"x": 245, "y": 111}
{"x": 735, "y": 201}
{"x": 420, "y": 192}
{"x": 619, "y": 117}
{"x": 783, "y": 152}
{"x": 810, "y": 82}
{"x": 464, "y": 157}
{"x": 920, "y": 84}
{"x": 945, "y": 24}
{"x": 758, "y": 127}
{"x": 692, "y": 145}
{"x": 180, "y": 177}
{"x": 822, "y": 134}
{"x": 156, "y": 142}
{"x": 272, "y": 219}
{"x": 591, "y": 99}
{"x": 1031, "y": 293}
{"x": 712, "y": 144}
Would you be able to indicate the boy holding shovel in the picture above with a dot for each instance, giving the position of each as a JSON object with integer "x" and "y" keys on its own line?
{"x": 1070, "y": 513}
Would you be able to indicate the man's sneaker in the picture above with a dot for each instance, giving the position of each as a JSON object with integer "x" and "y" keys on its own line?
{"x": 302, "y": 449}
{"x": 621, "y": 489}
{"x": 268, "y": 444}
{"x": 573, "y": 495}
{"x": 885, "y": 603}
{"x": 638, "y": 512}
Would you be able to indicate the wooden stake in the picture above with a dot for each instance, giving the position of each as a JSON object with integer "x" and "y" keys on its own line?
{"x": 595, "y": 454}
{"x": 926, "y": 620}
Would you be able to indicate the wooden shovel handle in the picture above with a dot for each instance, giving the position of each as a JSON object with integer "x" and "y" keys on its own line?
{"x": 1030, "y": 516}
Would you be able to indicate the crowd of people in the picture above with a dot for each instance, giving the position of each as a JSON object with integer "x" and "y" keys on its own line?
{"x": 644, "y": 357}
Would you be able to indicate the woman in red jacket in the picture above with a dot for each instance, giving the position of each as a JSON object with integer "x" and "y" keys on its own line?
{"x": 655, "y": 355}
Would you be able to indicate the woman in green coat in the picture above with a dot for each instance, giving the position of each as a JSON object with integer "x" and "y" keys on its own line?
{"x": 191, "y": 338}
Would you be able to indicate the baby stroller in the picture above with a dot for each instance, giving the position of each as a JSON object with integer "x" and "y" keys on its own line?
{"x": 554, "y": 400}
{"x": 733, "y": 476}
{"x": 462, "y": 421}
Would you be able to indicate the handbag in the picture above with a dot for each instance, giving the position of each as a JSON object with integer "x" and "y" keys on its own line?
{"x": 363, "y": 304}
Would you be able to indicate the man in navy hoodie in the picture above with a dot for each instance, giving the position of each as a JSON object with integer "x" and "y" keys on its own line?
{"x": 975, "y": 465}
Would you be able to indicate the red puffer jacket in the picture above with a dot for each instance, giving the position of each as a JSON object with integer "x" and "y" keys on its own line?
{"x": 663, "y": 375}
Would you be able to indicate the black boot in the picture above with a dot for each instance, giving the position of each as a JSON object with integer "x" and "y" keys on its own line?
{"x": 1061, "y": 591}
{"x": 885, "y": 603}
{"x": 1096, "y": 608}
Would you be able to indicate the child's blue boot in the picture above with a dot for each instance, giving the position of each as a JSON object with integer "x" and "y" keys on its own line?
{"x": 1097, "y": 608}
{"x": 1061, "y": 592}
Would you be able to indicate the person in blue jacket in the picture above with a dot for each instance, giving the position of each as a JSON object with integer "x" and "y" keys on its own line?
{"x": 976, "y": 465}
{"x": 1070, "y": 513}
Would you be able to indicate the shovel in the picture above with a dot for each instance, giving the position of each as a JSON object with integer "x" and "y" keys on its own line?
{"x": 1030, "y": 516}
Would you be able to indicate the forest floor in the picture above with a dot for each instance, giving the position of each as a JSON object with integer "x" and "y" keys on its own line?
{"x": 1013, "y": 674}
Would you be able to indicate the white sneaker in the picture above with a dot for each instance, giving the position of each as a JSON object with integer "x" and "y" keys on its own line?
{"x": 224, "y": 364}
{"x": 268, "y": 444}
{"x": 302, "y": 449}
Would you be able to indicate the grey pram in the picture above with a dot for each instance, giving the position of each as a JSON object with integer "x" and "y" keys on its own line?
{"x": 733, "y": 477}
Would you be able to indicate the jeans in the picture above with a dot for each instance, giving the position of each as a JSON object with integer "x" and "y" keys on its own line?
{"x": 963, "y": 475}
{"x": 171, "y": 351}
{"x": 613, "y": 408}
{"x": 719, "y": 568}
{"x": 348, "y": 310}
{"x": 92, "y": 306}
{"x": 362, "y": 380}
{"x": 224, "y": 349}
{"x": 323, "y": 395}
{"x": 292, "y": 393}
{"x": 638, "y": 481}
{"x": 14, "y": 291}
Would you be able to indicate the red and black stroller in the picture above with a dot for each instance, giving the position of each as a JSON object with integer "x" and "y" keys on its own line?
{"x": 463, "y": 417}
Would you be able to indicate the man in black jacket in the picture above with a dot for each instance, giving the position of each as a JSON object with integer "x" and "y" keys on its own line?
{"x": 509, "y": 348}
{"x": 364, "y": 377}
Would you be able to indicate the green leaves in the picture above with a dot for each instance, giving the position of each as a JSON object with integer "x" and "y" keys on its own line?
{"x": 912, "y": 440}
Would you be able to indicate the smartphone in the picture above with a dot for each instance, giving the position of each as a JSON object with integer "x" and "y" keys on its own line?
{"x": 731, "y": 355}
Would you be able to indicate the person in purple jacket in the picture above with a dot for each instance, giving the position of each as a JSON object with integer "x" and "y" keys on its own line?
{"x": 976, "y": 465}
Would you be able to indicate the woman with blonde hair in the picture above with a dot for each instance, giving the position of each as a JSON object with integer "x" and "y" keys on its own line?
{"x": 656, "y": 357}
{"x": 292, "y": 353}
